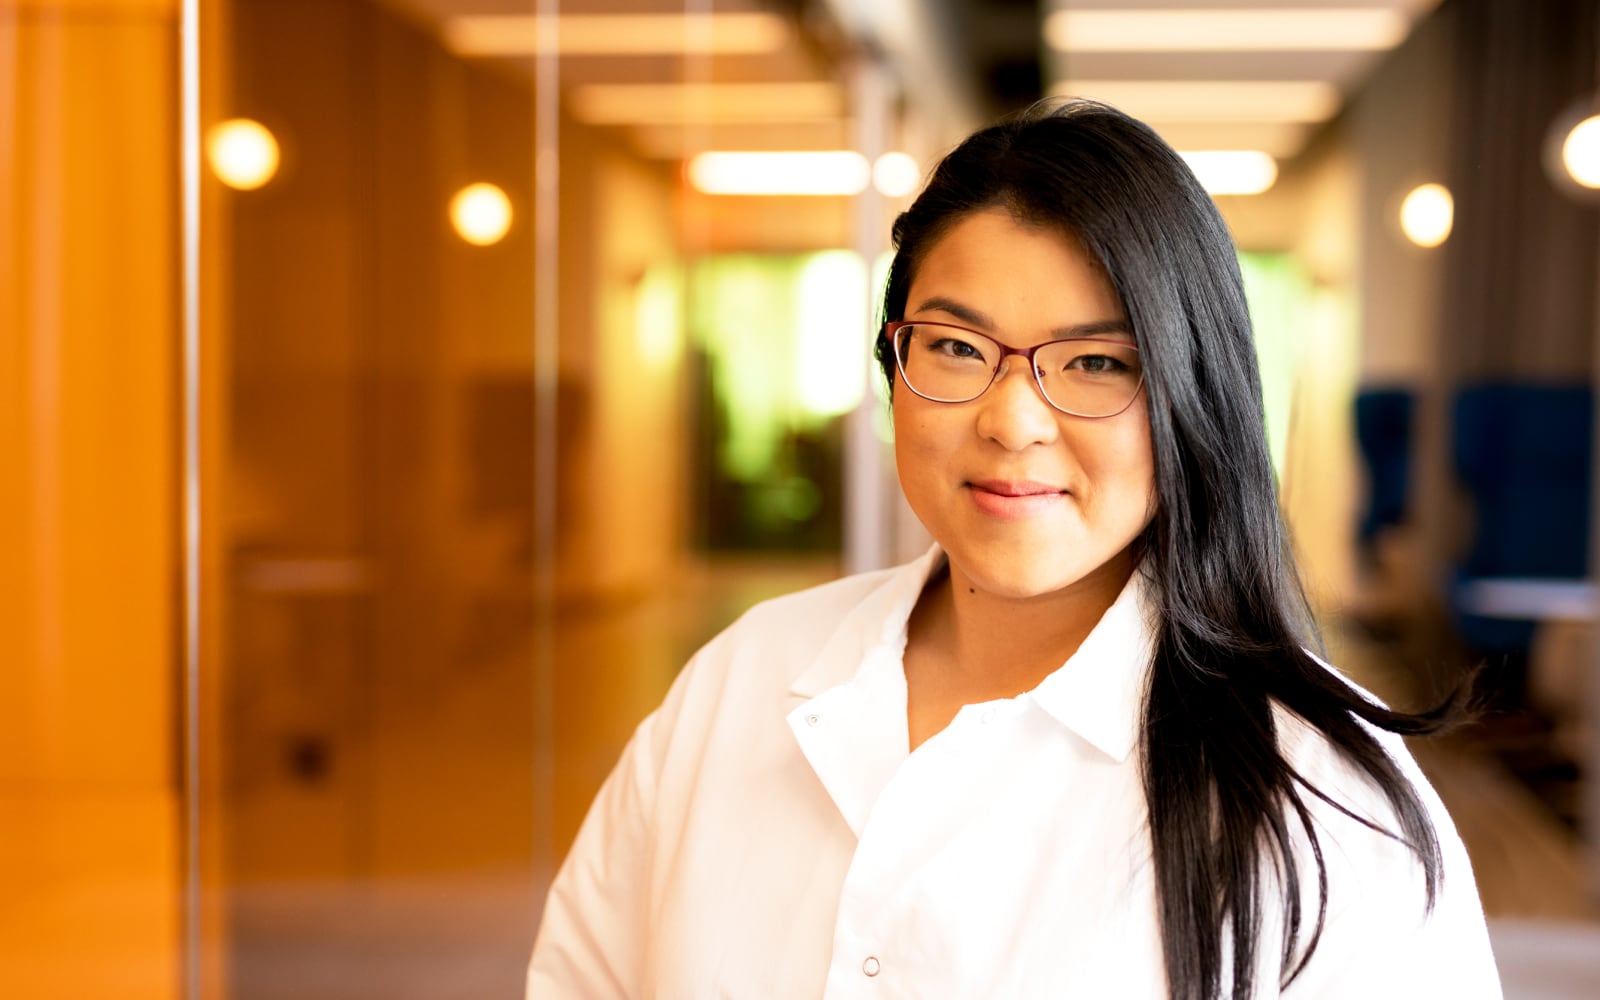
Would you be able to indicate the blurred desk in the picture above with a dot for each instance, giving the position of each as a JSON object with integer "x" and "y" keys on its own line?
{"x": 1536, "y": 599}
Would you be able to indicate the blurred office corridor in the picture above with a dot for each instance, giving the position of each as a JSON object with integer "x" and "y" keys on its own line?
{"x": 397, "y": 392}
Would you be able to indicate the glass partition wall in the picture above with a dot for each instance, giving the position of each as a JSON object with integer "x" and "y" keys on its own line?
{"x": 504, "y": 409}
{"x": 370, "y": 508}
{"x": 394, "y": 398}
{"x": 91, "y": 853}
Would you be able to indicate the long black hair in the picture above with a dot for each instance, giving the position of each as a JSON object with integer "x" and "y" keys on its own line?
{"x": 1234, "y": 627}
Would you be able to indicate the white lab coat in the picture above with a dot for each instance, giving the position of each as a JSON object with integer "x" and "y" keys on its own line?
{"x": 766, "y": 835}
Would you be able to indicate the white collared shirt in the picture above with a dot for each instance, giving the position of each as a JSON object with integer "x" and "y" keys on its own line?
{"x": 767, "y": 835}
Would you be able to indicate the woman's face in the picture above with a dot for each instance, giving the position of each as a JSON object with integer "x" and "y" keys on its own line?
{"x": 1026, "y": 500}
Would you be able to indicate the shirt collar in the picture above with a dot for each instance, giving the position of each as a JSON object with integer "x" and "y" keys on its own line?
{"x": 878, "y": 620}
{"x": 1098, "y": 693}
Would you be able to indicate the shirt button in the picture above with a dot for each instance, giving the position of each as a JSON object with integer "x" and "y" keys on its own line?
{"x": 871, "y": 966}
{"x": 988, "y": 716}
{"x": 813, "y": 719}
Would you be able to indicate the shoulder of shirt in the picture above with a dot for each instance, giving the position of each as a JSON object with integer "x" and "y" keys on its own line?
{"x": 1354, "y": 803}
{"x": 1316, "y": 758}
{"x": 1377, "y": 900}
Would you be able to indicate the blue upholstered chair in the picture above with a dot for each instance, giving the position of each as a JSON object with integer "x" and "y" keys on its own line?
{"x": 1383, "y": 431}
{"x": 1523, "y": 452}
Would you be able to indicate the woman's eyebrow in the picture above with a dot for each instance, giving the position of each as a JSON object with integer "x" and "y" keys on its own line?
{"x": 1094, "y": 329}
{"x": 965, "y": 314}
{"x": 981, "y": 321}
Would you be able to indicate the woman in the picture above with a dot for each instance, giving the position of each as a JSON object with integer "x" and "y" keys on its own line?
{"x": 1078, "y": 749}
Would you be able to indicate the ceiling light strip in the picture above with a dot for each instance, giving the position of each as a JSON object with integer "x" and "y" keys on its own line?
{"x": 654, "y": 103}
{"x": 748, "y": 33}
{"x": 829, "y": 172}
{"x": 1212, "y": 100}
{"x": 1328, "y": 29}
{"x": 1232, "y": 171}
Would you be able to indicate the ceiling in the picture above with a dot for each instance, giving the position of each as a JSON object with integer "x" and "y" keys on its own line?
{"x": 679, "y": 85}
{"x": 1247, "y": 74}
{"x": 1222, "y": 74}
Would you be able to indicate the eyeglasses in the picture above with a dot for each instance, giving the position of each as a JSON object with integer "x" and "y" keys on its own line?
{"x": 1083, "y": 376}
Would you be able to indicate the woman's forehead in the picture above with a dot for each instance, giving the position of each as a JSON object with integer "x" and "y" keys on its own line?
{"x": 990, "y": 262}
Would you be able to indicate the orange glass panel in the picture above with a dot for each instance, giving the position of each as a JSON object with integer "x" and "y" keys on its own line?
{"x": 88, "y": 500}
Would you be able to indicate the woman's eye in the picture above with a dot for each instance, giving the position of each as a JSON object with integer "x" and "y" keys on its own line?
{"x": 1097, "y": 364}
{"x": 957, "y": 348}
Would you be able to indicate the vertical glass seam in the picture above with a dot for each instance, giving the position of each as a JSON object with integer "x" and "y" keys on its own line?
{"x": 189, "y": 85}
{"x": 546, "y": 357}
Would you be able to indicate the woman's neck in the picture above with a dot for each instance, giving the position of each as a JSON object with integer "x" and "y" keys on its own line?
{"x": 975, "y": 645}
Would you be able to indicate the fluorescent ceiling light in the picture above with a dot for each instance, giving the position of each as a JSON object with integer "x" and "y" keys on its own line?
{"x": 619, "y": 34}
{"x": 645, "y": 103}
{"x": 1279, "y": 140}
{"x": 896, "y": 174}
{"x": 1227, "y": 29}
{"x": 1232, "y": 171}
{"x": 834, "y": 172}
{"x": 1212, "y": 100}
{"x": 677, "y": 140}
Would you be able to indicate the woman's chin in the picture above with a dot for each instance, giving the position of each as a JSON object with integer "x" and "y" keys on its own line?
{"x": 1032, "y": 575}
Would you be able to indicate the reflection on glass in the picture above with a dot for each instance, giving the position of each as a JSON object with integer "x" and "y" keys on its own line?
{"x": 243, "y": 153}
{"x": 481, "y": 214}
{"x": 638, "y": 34}
{"x": 398, "y": 408}
{"x": 374, "y": 493}
{"x": 783, "y": 344}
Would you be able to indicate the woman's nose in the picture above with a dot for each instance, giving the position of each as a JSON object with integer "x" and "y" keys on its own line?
{"x": 1013, "y": 412}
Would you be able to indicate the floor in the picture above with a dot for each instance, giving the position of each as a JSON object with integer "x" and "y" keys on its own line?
{"x": 465, "y": 934}
{"x": 1542, "y": 902}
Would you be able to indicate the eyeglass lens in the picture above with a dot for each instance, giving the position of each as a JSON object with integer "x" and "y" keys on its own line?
{"x": 1088, "y": 377}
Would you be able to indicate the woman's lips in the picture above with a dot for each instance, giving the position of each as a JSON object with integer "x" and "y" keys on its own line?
{"x": 1010, "y": 500}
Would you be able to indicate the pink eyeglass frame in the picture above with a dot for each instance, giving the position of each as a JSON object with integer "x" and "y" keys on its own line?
{"x": 1006, "y": 350}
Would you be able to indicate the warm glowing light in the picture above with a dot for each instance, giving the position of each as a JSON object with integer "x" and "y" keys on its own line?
{"x": 481, "y": 214}
{"x": 1212, "y": 100}
{"x": 658, "y": 318}
{"x": 1230, "y": 30}
{"x": 653, "y": 103}
{"x": 1427, "y": 214}
{"x": 1580, "y": 152}
{"x": 1232, "y": 171}
{"x": 882, "y": 416}
{"x": 896, "y": 175}
{"x": 672, "y": 140}
{"x": 1279, "y": 140}
{"x": 243, "y": 153}
{"x": 830, "y": 364}
{"x": 835, "y": 172}
{"x": 726, "y": 33}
